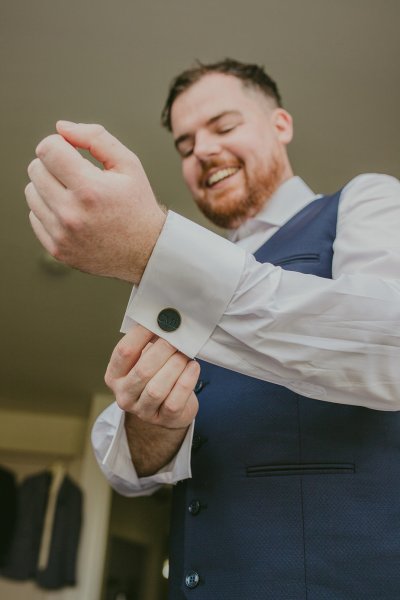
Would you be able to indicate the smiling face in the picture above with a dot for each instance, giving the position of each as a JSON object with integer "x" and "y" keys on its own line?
{"x": 232, "y": 140}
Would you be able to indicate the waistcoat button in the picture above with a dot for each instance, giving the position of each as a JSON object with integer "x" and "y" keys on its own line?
{"x": 197, "y": 441}
{"x": 199, "y": 386}
{"x": 194, "y": 507}
{"x": 192, "y": 579}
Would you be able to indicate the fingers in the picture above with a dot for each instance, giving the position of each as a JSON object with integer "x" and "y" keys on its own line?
{"x": 103, "y": 146}
{"x": 42, "y": 235}
{"x": 167, "y": 399}
{"x": 64, "y": 162}
{"x": 137, "y": 370}
{"x": 152, "y": 380}
{"x": 159, "y": 387}
{"x": 39, "y": 208}
{"x": 44, "y": 181}
{"x": 181, "y": 405}
{"x": 127, "y": 352}
{"x": 46, "y": 196}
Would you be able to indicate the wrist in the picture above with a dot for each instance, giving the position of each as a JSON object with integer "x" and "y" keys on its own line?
{"x": 151, "y": 238}
{"x": 151, "y": 446}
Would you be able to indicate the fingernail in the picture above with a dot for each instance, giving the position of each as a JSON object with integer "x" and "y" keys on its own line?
{"x": 66, "y": 124}
{"x": 193, "y": 367}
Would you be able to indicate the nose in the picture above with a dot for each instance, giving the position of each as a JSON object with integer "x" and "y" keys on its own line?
{"x": 206, "y": 145}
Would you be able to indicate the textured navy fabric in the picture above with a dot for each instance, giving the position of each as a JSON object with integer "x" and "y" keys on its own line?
{"x": 299, "y": 498}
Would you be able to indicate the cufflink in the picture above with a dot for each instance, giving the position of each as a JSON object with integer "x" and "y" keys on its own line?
{"x": 169, "y": 319}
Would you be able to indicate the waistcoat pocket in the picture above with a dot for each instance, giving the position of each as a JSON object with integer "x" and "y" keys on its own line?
{"x": 300, "y": 469}
{"x": 297, "y": 258}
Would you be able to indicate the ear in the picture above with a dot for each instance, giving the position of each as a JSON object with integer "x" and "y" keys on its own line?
{"x": 283, "y": 123}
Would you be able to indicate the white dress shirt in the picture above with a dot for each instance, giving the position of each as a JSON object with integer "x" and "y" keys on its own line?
{"x": 334, "y": 340}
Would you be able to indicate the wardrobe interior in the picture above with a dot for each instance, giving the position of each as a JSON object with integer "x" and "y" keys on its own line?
{"x": 65, "y": 535}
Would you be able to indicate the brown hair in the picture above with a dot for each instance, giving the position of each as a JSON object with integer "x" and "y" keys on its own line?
{"x": 251, "y": 75}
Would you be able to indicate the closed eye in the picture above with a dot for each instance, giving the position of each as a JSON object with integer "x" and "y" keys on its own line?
{"x": 185, "y": 150}
{"x": 226, "y": 129}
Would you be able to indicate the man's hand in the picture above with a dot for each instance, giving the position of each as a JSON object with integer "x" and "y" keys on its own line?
{"x": 153, "y": 383}
{"x": 152, "y": 380}
{"x": 104, "y": 222}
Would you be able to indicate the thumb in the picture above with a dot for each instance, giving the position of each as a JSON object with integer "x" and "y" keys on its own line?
{"x": 103, "y": 146}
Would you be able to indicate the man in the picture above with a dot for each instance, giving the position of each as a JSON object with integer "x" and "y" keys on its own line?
{"x": 294, "y": 488}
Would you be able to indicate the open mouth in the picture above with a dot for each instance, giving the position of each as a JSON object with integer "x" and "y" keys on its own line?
{"x": 220, "y": 175}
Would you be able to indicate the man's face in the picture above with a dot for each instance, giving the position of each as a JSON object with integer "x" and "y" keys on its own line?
{"x": 232, "y": 140}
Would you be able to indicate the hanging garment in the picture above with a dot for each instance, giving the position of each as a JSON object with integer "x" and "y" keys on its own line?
{"x": 58, "y": 554}
{"x": 8, "y": 511}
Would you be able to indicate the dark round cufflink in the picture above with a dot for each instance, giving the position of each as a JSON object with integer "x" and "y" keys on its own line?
{"x": 169, "y": 319}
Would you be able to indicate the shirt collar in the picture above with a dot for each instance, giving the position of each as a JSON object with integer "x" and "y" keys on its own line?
{"x": 293, "y": 195}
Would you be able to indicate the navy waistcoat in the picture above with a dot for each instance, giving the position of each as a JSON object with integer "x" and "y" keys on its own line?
{"x": 291, "y": 498}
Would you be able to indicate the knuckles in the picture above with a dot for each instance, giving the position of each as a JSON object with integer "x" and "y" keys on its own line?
{"x": 142, "y": 372}
{"x": 108, "y": 379}
{"x": 183, "y": 387}
{"x": 70, "y": 222}
{"x": 123, "y": 396}
{"x": 163, "y": 344}
{"x": 170, "y": 410}
{"x": 124, "y": 351}
{"x": 87, "y": 196}
{"x": 125, "y": 403}
{"x": 154, "y": 392}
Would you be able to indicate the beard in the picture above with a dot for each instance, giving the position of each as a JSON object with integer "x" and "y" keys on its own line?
{"x": 229, "y": 208}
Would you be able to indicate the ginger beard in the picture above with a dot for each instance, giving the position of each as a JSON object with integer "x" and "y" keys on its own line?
{"x": 238, "y": 200}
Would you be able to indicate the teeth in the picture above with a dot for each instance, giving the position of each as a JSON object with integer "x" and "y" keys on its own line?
{"x": 222, "y": 174}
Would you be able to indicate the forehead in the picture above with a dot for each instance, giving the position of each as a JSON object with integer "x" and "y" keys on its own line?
{"x": 212, "y": 95}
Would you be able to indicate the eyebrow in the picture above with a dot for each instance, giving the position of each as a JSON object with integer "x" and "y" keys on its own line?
{"x": 186, "y": 136}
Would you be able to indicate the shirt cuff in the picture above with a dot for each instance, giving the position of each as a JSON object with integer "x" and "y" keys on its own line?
{"x": 194, "y": 272}
{"x": 112, "y": 452}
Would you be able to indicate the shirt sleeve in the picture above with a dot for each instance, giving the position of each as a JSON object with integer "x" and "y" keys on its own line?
{"x": 113, "y": 456}
{"x": 334, "y": 340}
{"x": 199, "y": 287}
